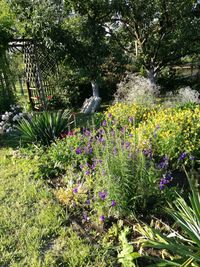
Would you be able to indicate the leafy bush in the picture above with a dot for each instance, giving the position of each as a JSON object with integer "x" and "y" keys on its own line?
{"x": 126, "y": 175}
{"x": 61, "y": 155}
{"x": 44, "y": 127}
{"x": 102, "y": 167}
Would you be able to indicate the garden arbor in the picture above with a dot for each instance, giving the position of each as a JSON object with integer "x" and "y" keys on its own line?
{"x": 39, "y": 68}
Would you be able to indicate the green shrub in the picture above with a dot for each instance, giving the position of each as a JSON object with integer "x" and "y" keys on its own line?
{"x": 127, "y": 176}
{"x": 44, "y": 127}
{"x": 59, "y": 156}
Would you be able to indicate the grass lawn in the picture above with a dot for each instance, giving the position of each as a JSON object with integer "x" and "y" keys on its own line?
{"x": 30, "y": 218}
{"x": 34, "y": 229}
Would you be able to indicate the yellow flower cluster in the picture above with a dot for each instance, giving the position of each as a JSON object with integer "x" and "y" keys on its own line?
{"x": 171, "y": 131}
{"x": 70, "y": 196}
{"x": 126, "y": 114}
{"x": 166, "y": 131}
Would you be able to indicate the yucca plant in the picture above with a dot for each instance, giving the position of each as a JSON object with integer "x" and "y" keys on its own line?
{"x": 44, "y": 127}
{"x": 183, "y": 248}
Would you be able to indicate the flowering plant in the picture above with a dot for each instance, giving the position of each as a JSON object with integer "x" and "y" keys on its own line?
{"x": 10, "y": 118}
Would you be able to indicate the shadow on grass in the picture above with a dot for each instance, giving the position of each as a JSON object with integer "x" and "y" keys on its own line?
{"x": 87, "y": 120}
{"x": 9, "y": 140}
{"x": 80, "y": 120}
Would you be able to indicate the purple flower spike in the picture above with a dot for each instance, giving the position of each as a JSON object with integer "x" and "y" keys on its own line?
{"x": 75, "y": 190}
{"x": 109, "y": 115}
{"x": 113, "y": 203}
{"x": 192, "y": 158}
{"x": 87, "y": 172}
{"x": 88, "y": 202}
{"x": 85, "y": 217}
{"x": 114, "y": 151}
{"x": 78, "y": 151}
{"x": 103, "y": 195}
{"x": 148, "y": 153}
{"x": 130, "y": 119}
{"x": 104, "y": 123}
{"x": 93, "y": 166}
{"x": 164, "y": 163}
{"x": 123, "y": 129}
{"x": 166, "y": 179}
{"x": 127, "y": 144}
{"x": 102, "y": 218}
{"x": 87, "y": 133}
{"x": 183, "y": 156}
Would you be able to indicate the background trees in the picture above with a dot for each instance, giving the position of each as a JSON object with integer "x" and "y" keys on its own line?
{"x": 6, "y": 33}
{"x": 159, "y": 33}
{"x": 97, "y": 41}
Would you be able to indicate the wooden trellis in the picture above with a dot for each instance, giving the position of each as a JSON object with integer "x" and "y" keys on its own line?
{"x": 39, "y": 68}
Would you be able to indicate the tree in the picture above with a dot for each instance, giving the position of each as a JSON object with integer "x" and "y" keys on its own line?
{"x": 6, "y": 25}
{"x": 160, "y": 32}
{"x": 84, "y": 39}
{"x": 6, "y": 32}
{"x": 74, "y": 30}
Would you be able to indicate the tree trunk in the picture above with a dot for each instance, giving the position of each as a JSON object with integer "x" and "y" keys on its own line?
{"x": 151, "y": 74}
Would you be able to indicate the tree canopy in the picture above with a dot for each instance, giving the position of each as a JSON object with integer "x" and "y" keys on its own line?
{"x": 6, "y": 24}
{"x": 99, "y": 36}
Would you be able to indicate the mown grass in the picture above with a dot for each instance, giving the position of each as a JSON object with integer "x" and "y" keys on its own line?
{"x": 30, "y": 218}
{"x": 34, "y": 228}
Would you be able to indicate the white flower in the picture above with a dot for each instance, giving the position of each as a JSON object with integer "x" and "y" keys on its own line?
{"x": 5, "y": 117}
{"x": 135, "y": 88}
{"x": 9, "y": 130}
{"x": 16, "y": 117}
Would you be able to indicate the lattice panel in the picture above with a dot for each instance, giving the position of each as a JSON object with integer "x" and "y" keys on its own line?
{"x": 40, "y": 66}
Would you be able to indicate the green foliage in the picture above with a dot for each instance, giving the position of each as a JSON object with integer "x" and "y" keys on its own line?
{"x": 59, "y": 156}
{"x": 6, "y": 24}
{"x": 184, "y": 248}
{"x": 6, "y": 31}
{"x": 126, "y": 257}
{"x": 162, "y": 33}
{"x": 7, "y": 95}
{"x": 100, "y": 175}
{"x": 43, "y": 127}
{"x": 129, "y": 178}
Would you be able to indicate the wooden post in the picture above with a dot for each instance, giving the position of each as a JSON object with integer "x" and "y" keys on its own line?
{"x": 39, "y": 76}
{"x": 29, "y": 94}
